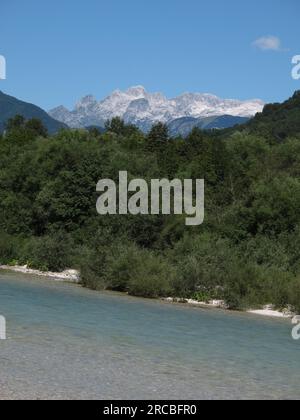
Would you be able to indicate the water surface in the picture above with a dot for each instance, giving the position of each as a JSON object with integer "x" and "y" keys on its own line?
{"x": 68, "y": 342}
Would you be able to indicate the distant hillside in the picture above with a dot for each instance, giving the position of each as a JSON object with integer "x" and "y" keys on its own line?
{"x": 183, "y": 126}
{"x": 95, "y": 127}
{"x": 10, "y": 107}
{"x": 278, "y": 120}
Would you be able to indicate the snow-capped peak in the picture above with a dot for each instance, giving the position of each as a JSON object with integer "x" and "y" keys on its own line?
{"x": 137, "y": 106}
{"x": 86, "y": 102}
{"x": 137, "y": 91}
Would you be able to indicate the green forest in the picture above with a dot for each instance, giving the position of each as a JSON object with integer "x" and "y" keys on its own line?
{"x": 247, "y": 252}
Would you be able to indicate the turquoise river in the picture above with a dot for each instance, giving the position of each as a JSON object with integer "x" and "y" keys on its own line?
{"x": 66, "y": 342}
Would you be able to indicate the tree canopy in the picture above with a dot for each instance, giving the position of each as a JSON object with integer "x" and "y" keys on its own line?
{"x": 246, "y": 252}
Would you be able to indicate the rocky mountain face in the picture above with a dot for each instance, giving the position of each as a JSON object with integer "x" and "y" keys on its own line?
{"x": 137, "y": 106}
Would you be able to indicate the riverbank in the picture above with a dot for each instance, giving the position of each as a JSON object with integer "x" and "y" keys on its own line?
{"x": 266, "y": 311}
{"x": 73, "y": 276}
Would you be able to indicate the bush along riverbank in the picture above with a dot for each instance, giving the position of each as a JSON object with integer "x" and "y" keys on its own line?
{"x": 73, "y": 276}
{"x": 247, "y": 252}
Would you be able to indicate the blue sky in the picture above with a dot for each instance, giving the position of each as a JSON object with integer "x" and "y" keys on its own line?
{"x": 59, "y": 51}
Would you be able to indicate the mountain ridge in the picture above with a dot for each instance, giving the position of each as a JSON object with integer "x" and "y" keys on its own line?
{"x": 137, "y": 106}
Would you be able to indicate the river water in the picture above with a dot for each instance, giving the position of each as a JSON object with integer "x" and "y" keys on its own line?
{"x": 66, "y": 342}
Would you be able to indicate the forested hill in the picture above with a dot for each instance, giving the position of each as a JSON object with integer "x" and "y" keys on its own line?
{"x": 278, "y": 121}
{"x": 10, "y": 107}
{"x": 246, "y": 252}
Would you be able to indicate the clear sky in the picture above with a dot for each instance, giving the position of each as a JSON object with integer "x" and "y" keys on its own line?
{"x": 59, "y": 51}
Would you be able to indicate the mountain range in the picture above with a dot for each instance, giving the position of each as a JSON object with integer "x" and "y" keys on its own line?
{"x": 140, "y": 108}
{"x": 137, "y": 106}
{"x": 10, "y": 107}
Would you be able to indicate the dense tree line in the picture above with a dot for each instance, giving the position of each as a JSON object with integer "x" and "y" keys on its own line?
{"x": 247, "y": 251}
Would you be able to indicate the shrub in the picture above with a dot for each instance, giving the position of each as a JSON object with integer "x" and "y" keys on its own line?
{"x": 202, "y": 263}
{"x": 9, "y": 248}
{"x": 48, "y": 253}
{"x": 151, "y": 276}
{"x": 91, "y": 265}
{"x": 125, "y": 267}
{"x": 294, "y": 295}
